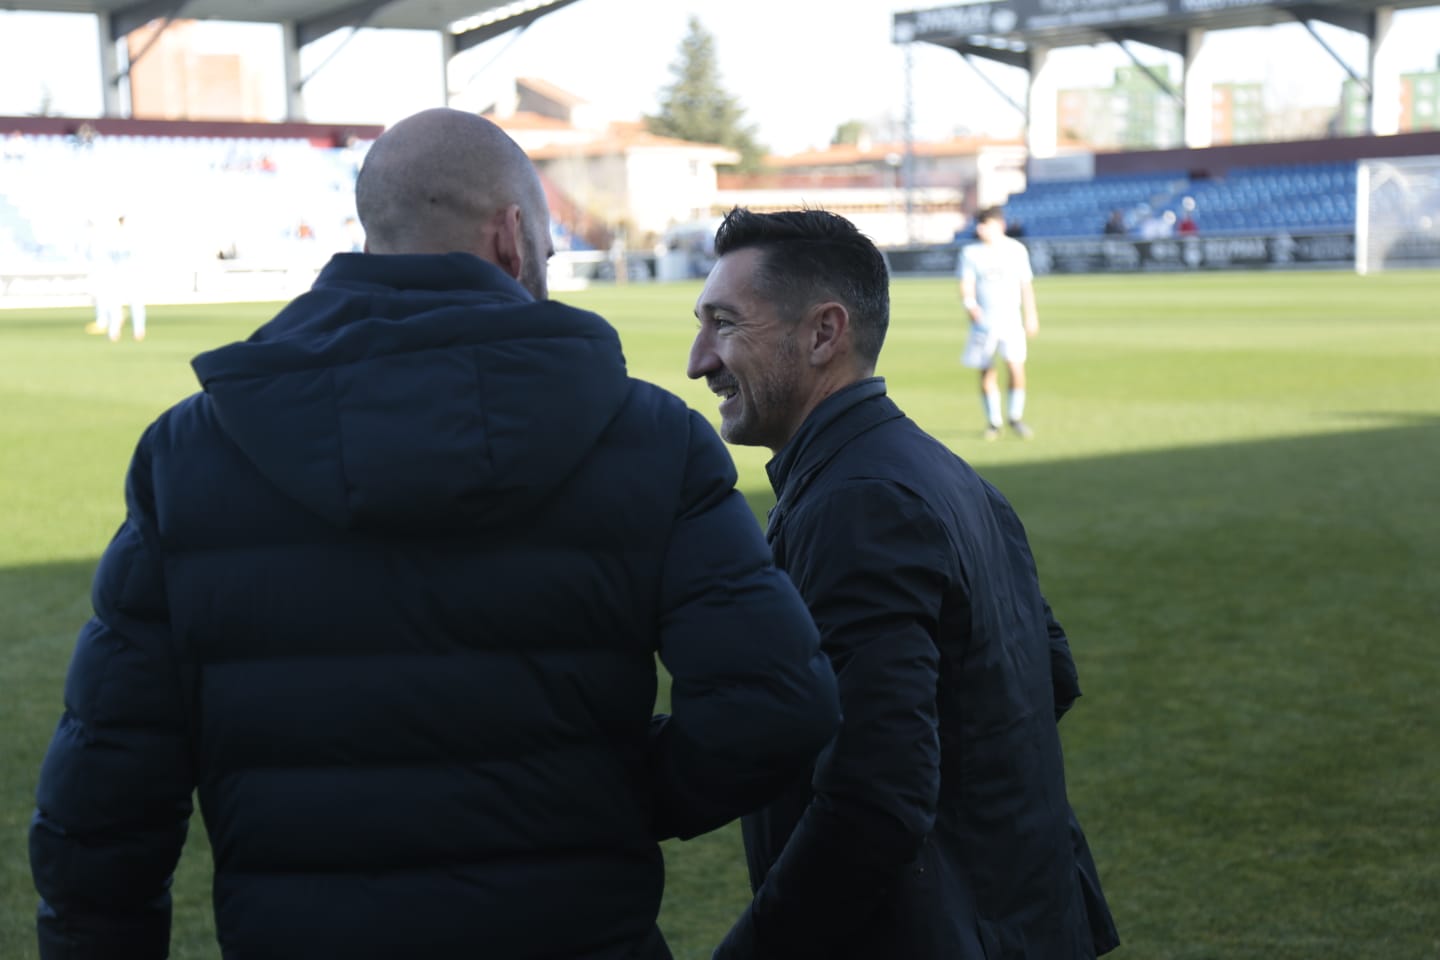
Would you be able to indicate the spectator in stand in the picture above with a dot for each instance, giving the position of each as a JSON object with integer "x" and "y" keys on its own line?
{"x": 1187, "y": 227}
{"x": 1115, "y": 226}
{"x": 1158, "y": 226}
{"x": 15, "y": 146}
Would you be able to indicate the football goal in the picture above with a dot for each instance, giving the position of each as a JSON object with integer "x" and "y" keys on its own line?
{"x": 1397, "y": 214}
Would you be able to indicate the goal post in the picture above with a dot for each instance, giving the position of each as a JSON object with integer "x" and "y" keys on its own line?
{"x": 1397, "y": 214}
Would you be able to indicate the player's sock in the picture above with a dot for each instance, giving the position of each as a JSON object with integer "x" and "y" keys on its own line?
{"x": 991, "y": 399}
{"x": 1017, "y": 405}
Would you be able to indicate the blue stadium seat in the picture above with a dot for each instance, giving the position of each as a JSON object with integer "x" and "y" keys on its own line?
{"x": 1315, "y": 197}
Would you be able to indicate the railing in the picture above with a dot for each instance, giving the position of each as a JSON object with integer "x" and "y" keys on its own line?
{"x": 63, "y": 285}
{"x": 235, "y": 281}
{"x": 1272, "y": 251}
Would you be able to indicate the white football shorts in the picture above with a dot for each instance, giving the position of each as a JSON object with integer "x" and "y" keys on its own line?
{"x": 1009, "y": 342}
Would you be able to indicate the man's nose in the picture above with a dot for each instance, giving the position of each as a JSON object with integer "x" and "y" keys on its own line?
{"x": 702, "y": 358}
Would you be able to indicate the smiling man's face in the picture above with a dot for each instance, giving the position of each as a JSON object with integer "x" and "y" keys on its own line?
{"x": 749, "y": 356}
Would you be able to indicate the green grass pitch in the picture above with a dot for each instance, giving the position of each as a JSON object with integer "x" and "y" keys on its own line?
{"x": 1234, "y": 499}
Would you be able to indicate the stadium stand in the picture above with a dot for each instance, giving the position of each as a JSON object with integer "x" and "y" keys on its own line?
{"x": 279, "y": 199}
{"x": 227, "y": 216}
{"x": 1311, "y": 198}
{"x": 190, "y": 197}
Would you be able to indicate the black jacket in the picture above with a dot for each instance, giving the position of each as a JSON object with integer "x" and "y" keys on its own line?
{"x": 389, "y": 593}
{"x": 936, "y": 825}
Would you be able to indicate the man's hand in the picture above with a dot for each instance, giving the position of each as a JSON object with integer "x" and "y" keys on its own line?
{"x": 969, "y": 297}
{"x": 1028, "y": 311}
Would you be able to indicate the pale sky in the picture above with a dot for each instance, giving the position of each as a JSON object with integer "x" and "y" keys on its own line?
{"x": 800, "y": 68}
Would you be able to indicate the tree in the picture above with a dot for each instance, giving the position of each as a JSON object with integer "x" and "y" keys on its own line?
{"x": 696, "y": 107}
{"x": 850, "y": 132}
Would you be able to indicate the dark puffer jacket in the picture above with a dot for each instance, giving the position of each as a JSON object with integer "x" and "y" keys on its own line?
{"x": 937, "y": 824}
{"x": 389, "y": 593}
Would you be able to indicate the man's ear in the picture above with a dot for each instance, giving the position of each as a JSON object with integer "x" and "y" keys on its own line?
{"x": 829, "y": 332}
{"x": 509, "y": 242}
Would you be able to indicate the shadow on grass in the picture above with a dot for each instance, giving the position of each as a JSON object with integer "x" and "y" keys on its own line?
{"x": 41, "y": 609}
{"x": 1254, "y": 759}
{"x": 1255, "y": 625}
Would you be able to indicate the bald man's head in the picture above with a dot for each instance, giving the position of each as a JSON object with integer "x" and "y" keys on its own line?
{"x": 446, "y": 181}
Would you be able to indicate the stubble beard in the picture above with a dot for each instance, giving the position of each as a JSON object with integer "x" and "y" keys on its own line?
{"x": 770, "y": 403}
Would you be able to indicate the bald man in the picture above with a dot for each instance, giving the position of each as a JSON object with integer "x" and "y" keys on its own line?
{"x": 389, "y": 594}
{"x": 444, "y": 181}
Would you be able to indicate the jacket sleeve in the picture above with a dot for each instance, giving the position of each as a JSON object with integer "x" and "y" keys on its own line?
{"x": 871, "y": 561}
{"x": 113, "y": 801}
{"x": 1064, "y": 677}
{"x": 753, "y": 698}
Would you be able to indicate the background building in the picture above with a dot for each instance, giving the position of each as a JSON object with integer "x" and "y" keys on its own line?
{"x": 171, "y": 78}
{"x": 1238, "y": 113}
{"x": 1132, "y": 113}
{"x": 868, "y": 183}
{"x": 605, "y": 178}
{"x": 1419, "y": 103}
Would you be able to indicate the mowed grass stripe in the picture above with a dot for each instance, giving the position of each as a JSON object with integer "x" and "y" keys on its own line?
{"x": 1233, "y": 504}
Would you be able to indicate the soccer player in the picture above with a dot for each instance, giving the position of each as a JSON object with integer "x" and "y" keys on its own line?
{"x": 997, "y": 288}
{"x": 114, "y": 283}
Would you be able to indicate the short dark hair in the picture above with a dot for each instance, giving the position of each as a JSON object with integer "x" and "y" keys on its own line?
{"x": 810, "y": 255}
{"x": 990, "y": 213}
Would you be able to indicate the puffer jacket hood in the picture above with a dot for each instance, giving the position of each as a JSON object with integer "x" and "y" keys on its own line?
{"x": 377, "y": 415}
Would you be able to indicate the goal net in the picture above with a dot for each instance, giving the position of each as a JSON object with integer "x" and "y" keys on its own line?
{"x": 1397, "y": 214}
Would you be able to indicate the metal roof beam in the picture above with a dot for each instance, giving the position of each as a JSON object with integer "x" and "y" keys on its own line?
{"x": 351, "y": 15}
{"x": 126, "y": 20}
{"x": 1345, "y": 19}
{"x": 969, "y": 58}
{"x": 1160, "y": 82}
{"x": 1334, "y": 54}
{"x": 1174, "y": 41}
{"x": 475, "y": 36}
{"x": 1014, "y": 58}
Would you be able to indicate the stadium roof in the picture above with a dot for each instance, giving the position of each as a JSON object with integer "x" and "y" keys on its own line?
{"x": 1004, "y": 29}
{"x": 474, "y": 21}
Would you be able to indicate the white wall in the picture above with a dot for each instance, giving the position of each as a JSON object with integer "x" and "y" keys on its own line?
{"x": 667, "y": 186}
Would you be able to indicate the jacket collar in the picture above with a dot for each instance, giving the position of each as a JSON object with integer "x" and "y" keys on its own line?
{"x": 416, "y": 271}
{"x": 839, "y": 418}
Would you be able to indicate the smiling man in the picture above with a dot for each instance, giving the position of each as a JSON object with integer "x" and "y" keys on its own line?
{"x": 935, "y": 826}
